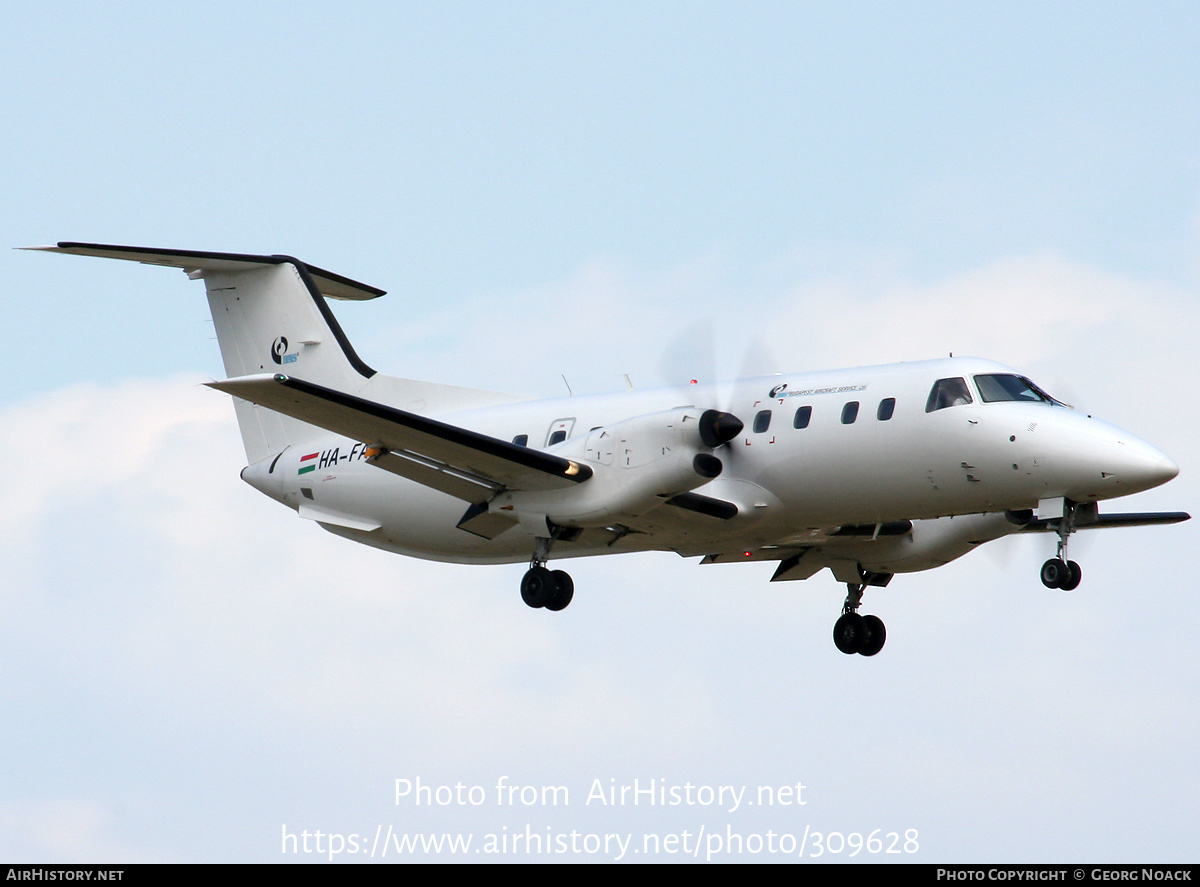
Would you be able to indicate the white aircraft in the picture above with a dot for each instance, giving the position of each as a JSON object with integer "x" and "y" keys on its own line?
{"x": 868, "y": 471}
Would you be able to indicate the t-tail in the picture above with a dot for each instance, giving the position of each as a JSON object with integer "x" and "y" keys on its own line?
{"x": 271, "y": 316}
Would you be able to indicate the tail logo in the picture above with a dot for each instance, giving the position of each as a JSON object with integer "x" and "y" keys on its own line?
{"x": 279, "y": 351}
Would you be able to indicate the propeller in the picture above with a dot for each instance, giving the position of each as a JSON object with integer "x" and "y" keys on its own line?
{"x": 690, "y": 360}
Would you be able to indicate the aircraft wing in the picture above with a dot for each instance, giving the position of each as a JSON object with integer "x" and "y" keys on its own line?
{"x": 1104, "y": 521}
{"x": 463, "y": 463}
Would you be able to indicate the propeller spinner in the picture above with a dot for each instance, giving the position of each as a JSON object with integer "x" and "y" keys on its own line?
{"x": 718, "y": 427}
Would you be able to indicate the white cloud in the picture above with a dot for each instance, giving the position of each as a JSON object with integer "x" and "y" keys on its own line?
{"x": 65, "y": 831}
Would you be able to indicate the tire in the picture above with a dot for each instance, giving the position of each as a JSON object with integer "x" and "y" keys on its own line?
{"x": 564, "y": 590}
{"x": 1074, "y": 576}
{"x": 537, "y": 587}
{"x": 849, "y": 633}
{"x": 1054, "y": 573}
{"x": 876, "y": 635}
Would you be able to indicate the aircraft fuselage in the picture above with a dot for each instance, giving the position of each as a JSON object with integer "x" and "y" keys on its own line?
{"x": 842, "y": 447}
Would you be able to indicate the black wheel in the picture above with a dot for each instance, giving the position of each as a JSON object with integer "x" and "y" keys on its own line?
{"x": 849, "y": 633}
{"x": 1074, "y": 577}
{"x": 537, "y": 587}
{"x": 876, "y": 635}
{"x": 564, "y": 590}
{"x": 1055, "y": 572}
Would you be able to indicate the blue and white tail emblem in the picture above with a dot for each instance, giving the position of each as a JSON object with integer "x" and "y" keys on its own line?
{"x": 279, "y": 351}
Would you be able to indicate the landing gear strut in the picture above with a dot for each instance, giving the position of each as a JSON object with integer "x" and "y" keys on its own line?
{"x": 1058, "y": 572}
{"x": 853, "y": 633}
{"x": 552, "y": 589}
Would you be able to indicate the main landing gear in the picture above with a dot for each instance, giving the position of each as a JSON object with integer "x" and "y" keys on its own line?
{"x": 552, "y": 589}
{"x": 1058, "y": 572}
{"x": 1061, "y": 573}
{"x": 853, "y": 633}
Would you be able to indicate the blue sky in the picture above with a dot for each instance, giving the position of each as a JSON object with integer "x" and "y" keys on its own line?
{"x": 583, "y": 190}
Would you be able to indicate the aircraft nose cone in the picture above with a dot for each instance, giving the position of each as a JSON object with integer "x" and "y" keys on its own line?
{"x": 1143, "y": 467}
{"x": 1160, "y": 469}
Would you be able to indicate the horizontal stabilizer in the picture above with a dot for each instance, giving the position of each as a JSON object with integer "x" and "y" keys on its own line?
{"x": 457, "y": 461}
{"x": 334, "y": 286}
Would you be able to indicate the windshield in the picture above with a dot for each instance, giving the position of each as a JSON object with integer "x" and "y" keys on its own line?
{"x": 996, "y": 387}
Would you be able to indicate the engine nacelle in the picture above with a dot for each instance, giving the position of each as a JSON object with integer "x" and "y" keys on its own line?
{"x": 636, "y": 465}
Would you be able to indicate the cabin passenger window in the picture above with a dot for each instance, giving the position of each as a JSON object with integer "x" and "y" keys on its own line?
{"x": 887, "y": 406}
{"x": 850, "y": 413}
{"x": 803, "y": 415}
{"x": 762, "y": 421}
{"x": 521, "y": 440}
{"x": 947, "y": 393}
{"x": 557, "y": 437}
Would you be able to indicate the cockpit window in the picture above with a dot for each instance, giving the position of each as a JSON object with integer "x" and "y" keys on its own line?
{"x": 947, "y": 393}
{"x": 996, "y": 387}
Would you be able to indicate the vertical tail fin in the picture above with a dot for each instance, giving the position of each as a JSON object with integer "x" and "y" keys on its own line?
{"x": 270, "y": 313}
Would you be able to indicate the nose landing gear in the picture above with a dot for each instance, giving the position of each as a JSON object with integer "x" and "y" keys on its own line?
{"x": 853, "y": 633}
{"x": 1058, "y": 572}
